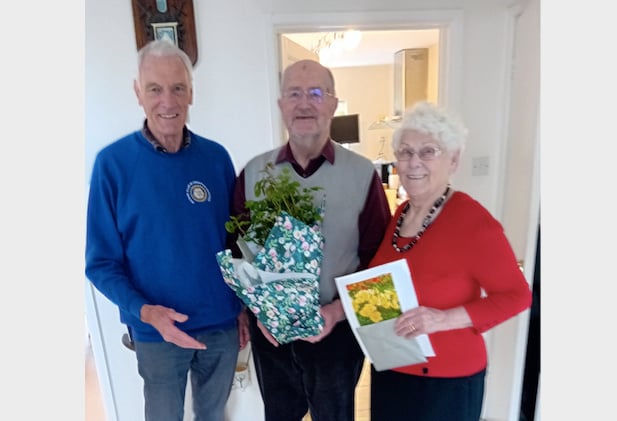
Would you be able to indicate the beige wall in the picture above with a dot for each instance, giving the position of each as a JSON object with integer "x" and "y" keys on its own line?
{"x": 368, "y": 92}
{"x": 292, "y": 52}
{"x": 433, "y": 74}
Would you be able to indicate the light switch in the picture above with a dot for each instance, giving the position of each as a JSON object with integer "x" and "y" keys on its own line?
{"x": 479, "y": 165}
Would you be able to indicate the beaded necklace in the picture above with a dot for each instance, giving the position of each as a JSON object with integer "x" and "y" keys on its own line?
{"x": 425, "y": 223}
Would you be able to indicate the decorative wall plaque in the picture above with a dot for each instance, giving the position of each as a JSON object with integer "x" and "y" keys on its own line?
{"x": 171, "y": 19}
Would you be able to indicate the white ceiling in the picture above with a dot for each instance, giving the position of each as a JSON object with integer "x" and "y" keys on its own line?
{"x": 375, "y": 47}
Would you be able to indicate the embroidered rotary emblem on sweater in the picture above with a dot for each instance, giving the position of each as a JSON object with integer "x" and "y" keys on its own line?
{"x": 197, "y": 192}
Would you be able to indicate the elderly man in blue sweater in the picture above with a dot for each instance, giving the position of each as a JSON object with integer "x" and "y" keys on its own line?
{"x": 159, "y": 198}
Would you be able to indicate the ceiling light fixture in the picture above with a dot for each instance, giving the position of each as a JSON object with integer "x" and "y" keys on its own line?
{"x": 333, "y": 43}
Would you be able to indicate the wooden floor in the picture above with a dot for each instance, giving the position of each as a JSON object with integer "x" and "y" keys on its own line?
{"x": 95, "y": 410}
{"x": 363, "y": 394}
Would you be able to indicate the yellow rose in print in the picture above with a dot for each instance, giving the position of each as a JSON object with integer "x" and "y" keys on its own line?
{"x": 374, "y": 299}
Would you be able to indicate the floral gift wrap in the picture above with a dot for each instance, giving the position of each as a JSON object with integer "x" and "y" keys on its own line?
{"x": 281, "y": 286}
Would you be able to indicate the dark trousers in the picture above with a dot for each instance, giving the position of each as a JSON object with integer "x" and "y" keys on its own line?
{"x": 402, "y": 397}
{"x": 300, "y": 376}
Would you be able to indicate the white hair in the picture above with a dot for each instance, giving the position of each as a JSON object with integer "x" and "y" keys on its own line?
{"x": 435, "y": 121}
{"x": 164, "y": 48}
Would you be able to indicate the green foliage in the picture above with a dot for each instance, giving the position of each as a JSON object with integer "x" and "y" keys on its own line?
{"x": 280, "y": 193}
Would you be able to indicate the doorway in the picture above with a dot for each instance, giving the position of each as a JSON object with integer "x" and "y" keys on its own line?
{"x": 503, "y": 387}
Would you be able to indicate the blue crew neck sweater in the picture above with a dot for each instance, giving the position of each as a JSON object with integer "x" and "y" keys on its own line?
{"x": 155, "y": 223}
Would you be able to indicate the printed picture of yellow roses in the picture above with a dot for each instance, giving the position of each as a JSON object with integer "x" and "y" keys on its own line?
{"x": 374, "y": 299}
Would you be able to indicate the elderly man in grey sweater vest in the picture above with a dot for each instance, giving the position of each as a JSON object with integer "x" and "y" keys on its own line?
{"x": 318, "y": 374}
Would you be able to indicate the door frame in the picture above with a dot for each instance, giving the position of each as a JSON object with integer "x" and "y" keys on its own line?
{"x": 449, "y": 22}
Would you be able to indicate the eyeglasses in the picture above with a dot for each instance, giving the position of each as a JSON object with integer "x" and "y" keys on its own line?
{"x": 426, "y": 153}
{"x": 314, "y": 95}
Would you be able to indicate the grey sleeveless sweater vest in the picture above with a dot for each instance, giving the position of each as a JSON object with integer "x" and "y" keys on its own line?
{"x": 345, "y": 185}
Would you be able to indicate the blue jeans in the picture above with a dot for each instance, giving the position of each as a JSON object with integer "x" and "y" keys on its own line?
{"x": 301, "y": 376}
{"x": 164, "y": 367}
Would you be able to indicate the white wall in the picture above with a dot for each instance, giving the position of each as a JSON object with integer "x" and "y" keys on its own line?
{"x": 522, "y": 126}
{"x": 230, "y": 79}
{"x": 231, "y": 100}
{"x": 235, "y": 103}
{"x": 519, "y": 216}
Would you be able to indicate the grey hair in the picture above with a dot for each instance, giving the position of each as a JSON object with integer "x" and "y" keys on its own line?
{"x": 164, "y": 48}
{"x": 437, "y": 122}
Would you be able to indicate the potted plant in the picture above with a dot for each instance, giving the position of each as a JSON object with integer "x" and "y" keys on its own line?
{"x": 276, "y": 193}
{"x": 278, "y": 278}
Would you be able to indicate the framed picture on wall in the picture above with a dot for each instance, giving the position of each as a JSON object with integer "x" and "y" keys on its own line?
{"x": 166, "y": 30}
{"x": 166, "y": 19}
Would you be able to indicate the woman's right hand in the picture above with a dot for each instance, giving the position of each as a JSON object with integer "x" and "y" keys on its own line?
{"x": 425, "y": 320}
